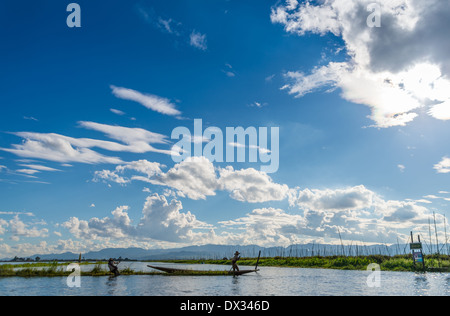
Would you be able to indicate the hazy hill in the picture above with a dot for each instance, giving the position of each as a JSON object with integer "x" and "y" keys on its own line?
{"x": 221, "y": 251}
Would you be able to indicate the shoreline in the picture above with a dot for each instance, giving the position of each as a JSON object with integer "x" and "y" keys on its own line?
{"x": 402, "y": 263}
{"x": 434, "y": 263}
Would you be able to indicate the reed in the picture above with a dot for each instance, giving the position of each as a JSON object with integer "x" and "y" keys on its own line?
{"x": 45, "y": 264}
{"x": 387, "y": 263}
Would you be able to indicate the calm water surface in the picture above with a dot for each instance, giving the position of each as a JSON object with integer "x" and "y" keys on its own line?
{"x": 268, "y": 282}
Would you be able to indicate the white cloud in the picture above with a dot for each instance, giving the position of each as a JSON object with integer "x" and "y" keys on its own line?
{"x": 18, "y": 229}
{"x": 358, "y": 214}
{"x": 174, "y": 28}
{"x": 250, "y": 185}
{"x": 118, "y": 112}
{"x": 443, "y": 166}
{"x": 403, "y": 213}
{"x": 423, "y": 201}
{"x": 150, "y": 101}
{"x": 142, "y": 166}
{"x": 309, "y": 18}
{"x": 267, "y": 226}
{"x": 354, "y": 198}
{"x": 432, "y": 196}
{"x": 3, "y": 226}
{"x": 441, "y": 111}
{"x": 54, "y": 147}
{"x": 229, "y": 71}
{"x": 64, "y": 149}
{"x": 274, "y": 227}
{"x": 160, "y": 220}
{"x": 137, "y": 140}
{"x": 197, "y": 178}
{"x": 261, "y": 150}
{"x": 30, "y": 118}
{"x": 110, "y": 176}
{"x": 395, "y": 70}
{"x": 166, "y": 25}
{"x": 18, "y": 213}
{"x": 198, "y": 40}
{"x": 39, "y": 167}
{"x": 320, "y": 77}
{"x": 28, "y": 171}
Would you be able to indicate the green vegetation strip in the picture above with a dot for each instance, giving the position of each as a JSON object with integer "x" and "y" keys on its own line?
{"x": 57, "y": 270}
{"x": 46, "y": 264}
{"x": 396, "y": 263}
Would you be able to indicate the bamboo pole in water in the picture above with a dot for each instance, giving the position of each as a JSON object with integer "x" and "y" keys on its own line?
{"x": 343, "y": 250}
{"x": 445, "y": 230}
{"x": 429, "y": 233}
{"x": 435, "y": 230}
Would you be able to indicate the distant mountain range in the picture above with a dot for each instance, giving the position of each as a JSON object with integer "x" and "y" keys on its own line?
{"x": 221, "y": 251}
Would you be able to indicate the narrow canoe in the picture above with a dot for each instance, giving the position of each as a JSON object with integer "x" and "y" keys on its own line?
{"x": 183, "y": 271}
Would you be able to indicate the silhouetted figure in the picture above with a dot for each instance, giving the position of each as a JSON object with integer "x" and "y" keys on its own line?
{"x": 112, "y": 265}
{"x": 234, "y": 261}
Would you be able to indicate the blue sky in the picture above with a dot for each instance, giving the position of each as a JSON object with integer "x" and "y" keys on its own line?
{"x": 87, "y": 117}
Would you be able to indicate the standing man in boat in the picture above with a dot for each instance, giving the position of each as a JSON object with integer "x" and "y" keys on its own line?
{"x": 112, "y": 265}
{"x": 234, "y": 260}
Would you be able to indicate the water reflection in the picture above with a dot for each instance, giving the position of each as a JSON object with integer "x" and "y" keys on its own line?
{"x": 236, "y": 288}
{"x": 421, "y": 284}
{"x": 115, "y": 287}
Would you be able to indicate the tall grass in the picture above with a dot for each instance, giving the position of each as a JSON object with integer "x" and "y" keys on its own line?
{"x": 387, "y": 263}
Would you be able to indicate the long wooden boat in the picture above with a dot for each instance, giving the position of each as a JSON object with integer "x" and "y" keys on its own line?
{"x": 198, "y": 272}
{"x": 189, "y": 272}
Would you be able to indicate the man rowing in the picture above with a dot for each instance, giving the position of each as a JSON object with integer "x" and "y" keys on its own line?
{"x": 112, "y": 265}
{"x": 234, "y": 260}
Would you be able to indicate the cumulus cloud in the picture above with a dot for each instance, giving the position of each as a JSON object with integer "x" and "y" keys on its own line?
{"x": 356, "y": 213}
{"x": 355, "y": 198}
{"x": 250, "y": 185}
{"x": 395, "y": 70}
{"x": 267, "y": 226}
{"x": 443, "y": 166}
{"x": 3, "y": 226}
{"x": 150, "y": 101}
{"x": 274, "y": 227}
{"x": 401, "y": 212}
{"x": 19, "y": 229}
{"x": 160, "y": 220}
{"x": 110, "y": 176}
{"x": 142, "y": 166}
{"x": 197, "y": 178}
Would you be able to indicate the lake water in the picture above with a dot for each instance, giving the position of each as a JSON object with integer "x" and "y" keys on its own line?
{"x": 268, "y": 282}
